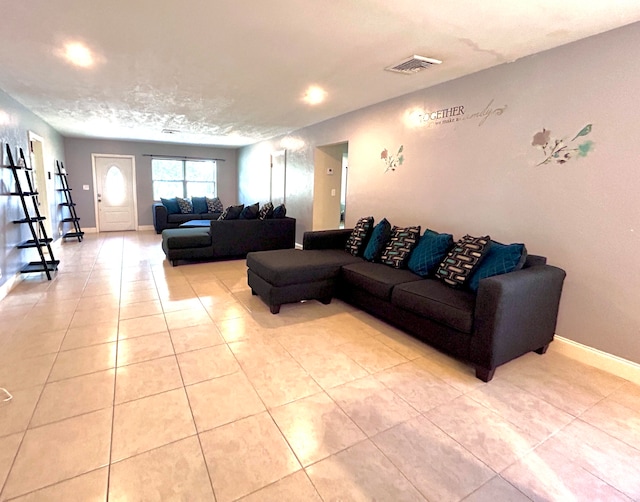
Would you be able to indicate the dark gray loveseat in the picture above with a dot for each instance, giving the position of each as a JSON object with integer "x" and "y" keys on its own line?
{"x": 228, "y": 239}
{"x": 162, "y": 219}
{"x": 510, "y": 315}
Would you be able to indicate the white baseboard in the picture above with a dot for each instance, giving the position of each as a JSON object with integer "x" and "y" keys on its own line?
{"x": 146, "y": 227}
{"x": 9, "y": 285}
{"x": 593, "y": 357}
{"x": 298, "y": 246}
{"x": 90, "y": 230}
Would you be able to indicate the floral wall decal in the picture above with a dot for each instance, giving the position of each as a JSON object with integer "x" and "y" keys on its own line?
{"x": 556, "y": 150}
{"x": 392, "y": 161}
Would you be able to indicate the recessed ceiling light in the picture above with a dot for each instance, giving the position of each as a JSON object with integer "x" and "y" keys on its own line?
{"x": 78, "y": 54}
{"x": 314, "y": 95}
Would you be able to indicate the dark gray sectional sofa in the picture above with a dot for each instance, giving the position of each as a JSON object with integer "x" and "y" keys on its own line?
{"x": 228, "y": 239}
{"x": 163, "y": 220}
{"x": 511, "y": 314}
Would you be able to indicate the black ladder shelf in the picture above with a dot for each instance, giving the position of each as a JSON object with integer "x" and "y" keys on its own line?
{"x": 77, "y": 231}
{"x": 33, "y": 219}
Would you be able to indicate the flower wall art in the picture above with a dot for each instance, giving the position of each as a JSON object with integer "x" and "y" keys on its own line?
{"x": 559, "y": 151}
{"x": 392, "y": 161}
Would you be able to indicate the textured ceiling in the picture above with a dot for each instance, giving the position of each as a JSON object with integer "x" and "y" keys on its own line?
{"x": 227, "y": 72}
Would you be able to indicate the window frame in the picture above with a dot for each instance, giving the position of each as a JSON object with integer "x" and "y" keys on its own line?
{"x": 184, "y": 181}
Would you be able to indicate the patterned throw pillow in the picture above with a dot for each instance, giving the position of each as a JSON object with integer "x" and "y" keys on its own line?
{"x": 461, "y": 261}
{"x": 397, "y": 251}
{"x": 250, "y": 212}
{"x": 185, "y": 205}
{"x": 359, "y": 236}
{"x": 171, "y": 205}
{"x": 214, "y": 205}
{"x": 266, "y": 211}
{"x": 280, "y": 211}
{"x": 231, "y": 213}
{"x": 430, "y": 251}
{"x": 501, "y": 259}
{"x": 378, "y": 240}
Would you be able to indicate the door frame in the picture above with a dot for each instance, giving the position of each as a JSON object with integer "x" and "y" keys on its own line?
{"x": 94, "y": 156}
{"x": 42, "y": 181}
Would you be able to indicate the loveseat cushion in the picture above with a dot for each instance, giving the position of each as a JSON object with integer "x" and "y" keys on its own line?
{"x": 375, "y": 278}
{"x": 437, "y": 301}
{"x": 171, "y": 205}
{"x": 184, "y": 238}
{"x": 199, "y": 205}
{"x": 284, "y": 267}
{"x": 178, "y": 219}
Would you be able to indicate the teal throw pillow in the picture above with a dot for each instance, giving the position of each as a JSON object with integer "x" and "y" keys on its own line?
{"x": 501, "y": 259}
{"x": 378, "y": 240}
{"x": 199, "y": 205}
{"x": 171, "y": 205}
{"x": 430, "y": 251}
{"x": 250, "y": 212}
{"x": 280, "y": 211}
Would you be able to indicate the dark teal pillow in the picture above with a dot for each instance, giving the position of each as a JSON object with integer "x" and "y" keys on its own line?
{"x": 501, "y": 259}
{"x": 171, "y": 205}
{"x": 378, "y": 240}
{"x": 250, "y": 212}
{"x": 430, "y": 251}
{"x": 199, "y": 205}
{"x": 280, "y": 211}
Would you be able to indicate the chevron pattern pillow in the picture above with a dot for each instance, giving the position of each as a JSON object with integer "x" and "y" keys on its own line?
{"x": 397, "y": 251}
{"x": 214, "y": 205}
{"x": 185, "y": 205}
{"x": 463, "y": 259}
{"x": 359, "y": 236}
{"x": 266, "y": 211}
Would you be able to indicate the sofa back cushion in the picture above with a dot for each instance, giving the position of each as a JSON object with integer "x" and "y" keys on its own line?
{"x": 501, "y": 259}
{"x": 463, "y": 259}
{"x": 171, "y": 205}
{"x": 402, "y": 241}
{"x": 231, "y": 213}
{"x": 430, "y": 251}
{"x": 199, "y": 205}
{"x": 250, "y": 212}
{"x": 378, "y": 240}
{"x": 280, "y": 211}
{"x": 359, "y": 236}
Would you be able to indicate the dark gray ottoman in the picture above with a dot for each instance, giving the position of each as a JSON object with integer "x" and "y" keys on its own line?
{"x": 292, "y": 275}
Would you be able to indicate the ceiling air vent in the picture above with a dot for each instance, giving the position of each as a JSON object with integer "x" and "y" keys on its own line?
{"x": 413, "y": 65}
{"x": 170, "y": 131}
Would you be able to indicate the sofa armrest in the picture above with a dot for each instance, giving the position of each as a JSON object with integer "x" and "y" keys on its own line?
{"x": 160, "y": 215}
{"x": 326, "y": 239}
{"x": 515, "y": 313}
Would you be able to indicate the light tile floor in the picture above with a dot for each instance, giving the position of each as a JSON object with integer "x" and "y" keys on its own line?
{"x": 134, "y": 380}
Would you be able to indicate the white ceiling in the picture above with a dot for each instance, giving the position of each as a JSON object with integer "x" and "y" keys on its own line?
{"x": 232, "y": 72}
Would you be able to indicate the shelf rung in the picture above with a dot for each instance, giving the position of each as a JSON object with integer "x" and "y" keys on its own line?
{"x": 33, "y": 244}
{"x": 26, "y": 194}
{"x": 34, "y": 219}
{"x": 38, "y": 266}
{"x": 63, "y": 189}
{"x": 72, "y": 234}
{"x": 69, "y": 220}
{"x": 67, "y": 204}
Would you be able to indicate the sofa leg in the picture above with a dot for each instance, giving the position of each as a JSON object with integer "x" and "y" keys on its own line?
{"x": 174, "y": 263}
{"x": 275, "y": 309}
{"x": 325, "y": 301}
{"x": 542, "y": 350}
{"x": 484, "y": 374}
{"x": 253, "y": 292}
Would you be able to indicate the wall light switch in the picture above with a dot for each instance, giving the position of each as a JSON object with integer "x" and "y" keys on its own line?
{"x": 333, "y": 192}
{"x": 85, "y": 187}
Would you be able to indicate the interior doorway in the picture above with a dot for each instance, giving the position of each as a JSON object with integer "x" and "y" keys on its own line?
{"x": 115, "y": 192}
{"x": 42, "y": 180}
{"x": 330, "y": 186}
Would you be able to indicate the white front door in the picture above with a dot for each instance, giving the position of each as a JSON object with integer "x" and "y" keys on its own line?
{"x": 115, "y": 192}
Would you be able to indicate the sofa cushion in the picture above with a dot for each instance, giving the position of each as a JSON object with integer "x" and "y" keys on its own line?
{"x": 375, "y": 278}
{"x": 180, "y": 218}
{"x": 280, "y": 211}
{"x": 250, "y": 212}
{"x": 214, "y": 205}
{"x": 171, "y": 205}
{"x": 232, "y": 212}
{"x": 402, "y": 241}
{"x": 359, "y": 236}
{"x": 461, "y": 261}
{"x": 437, "y": 301}
{"x": 284, "y": 267}
{"x": 186, "y": 206}
{"x": 266, "y": 211}
{"x": 379, "y": 237}
{"x": 501, "y": 259}
{"x": 199, "y": 205}
{"x": 430, "y": 251}
{"x": 184, "y": 238}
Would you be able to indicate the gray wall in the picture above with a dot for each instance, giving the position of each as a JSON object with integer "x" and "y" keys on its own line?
{"x": 483, "y": 177}
{"x": 15, "y": 122}
{"x": 78, "y": 153}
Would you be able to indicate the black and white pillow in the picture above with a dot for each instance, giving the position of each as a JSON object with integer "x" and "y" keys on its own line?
{"x": 266, "y": 211}
{"x": 403, "y": 240}
{"x": 214, "y": 205}
{"x": 185, "y": 205}
{"x": 463, "y": 259}
{"x": 359, "y": 237}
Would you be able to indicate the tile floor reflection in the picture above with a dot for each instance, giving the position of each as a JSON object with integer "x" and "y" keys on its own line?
{"x": 135, "y": 380}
